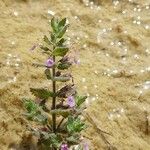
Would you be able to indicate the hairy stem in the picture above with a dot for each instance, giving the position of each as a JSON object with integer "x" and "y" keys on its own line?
{"x": 54, "y": 98}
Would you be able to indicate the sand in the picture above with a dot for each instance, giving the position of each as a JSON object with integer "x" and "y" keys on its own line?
{"x": 111, "y": 39}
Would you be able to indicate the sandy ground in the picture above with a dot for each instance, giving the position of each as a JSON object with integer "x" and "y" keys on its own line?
{"x": 112, "y": 42}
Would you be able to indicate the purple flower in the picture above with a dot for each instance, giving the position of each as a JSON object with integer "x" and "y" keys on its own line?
{"x": 77, "y": 61}
{"x": 85, "y": 146}
{"x": 49, "y": 62}
{"x": 64, "y": 147}
{"x": 71, "y": 101}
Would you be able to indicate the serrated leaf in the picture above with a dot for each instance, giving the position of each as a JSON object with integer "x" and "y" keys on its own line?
{"x": 47, "y": 40}
{"x": 40, "y": 118}
{"x": 30, "y": 105}
{"x": 62, "y": 32}
{"x": 73, "y": 140}
{"x": 55, "y": 141}
{"x": 60, "y": 51}
{"x": 74, "y": 125}
{"x": 33, "y": 112}
{"x": 50, "y": 140}
{"x": 48, "y": 74}
{"x": 42, "y": 93}
{"x": 80, "y": 100}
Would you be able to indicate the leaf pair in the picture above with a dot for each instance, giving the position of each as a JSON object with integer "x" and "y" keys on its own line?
{"x": 59, "y": 27}
{"x": 80, "y": 100}
{"x": 33, "y": 111}
{"x": 75, "y": 125}
{"x": 42, "y": 93}
{"x": 61, "y": 78}
{"x": 60, "y": 51}
{"x": 50, "y": 140}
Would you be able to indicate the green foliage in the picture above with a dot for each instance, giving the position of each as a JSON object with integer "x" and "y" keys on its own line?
{"x": 73, "y": 139}
{"x": 63, "y": 66}
{"x": 60, "y": 51}
{"x": 42, "y": 93}
{"x": 61, "y": 42}
{"x": 47, "y": 40}
{"x": 62, "y": 23}
{"x": 33, "y": 112}
{"x": 80, "y": 100}
{"x": 59, "y": 27}
{"x": 54, "y": 134}
{"x": 44, "y": 48}
{"x": 50, "y": 140}
{"x": 31, "y": 106}
{"x": 54, "y": 25}
{"x": 74, "y": 125}
{"x": 62, "y": 31}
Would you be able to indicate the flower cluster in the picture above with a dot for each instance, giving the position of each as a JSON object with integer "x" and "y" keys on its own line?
{"x": 62, "y": 130}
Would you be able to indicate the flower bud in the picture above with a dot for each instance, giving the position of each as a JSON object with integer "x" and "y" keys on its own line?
{"x": 64, "y": 147}
{"x": 71, "y": 101}
{"x": 49, "y": 62}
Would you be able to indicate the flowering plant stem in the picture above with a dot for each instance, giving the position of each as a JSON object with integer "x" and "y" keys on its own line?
{"x": 61, "y": 130}
{"x": 54, "y": 98}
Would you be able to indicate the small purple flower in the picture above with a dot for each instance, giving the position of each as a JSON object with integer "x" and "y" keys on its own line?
{"x": 64, "y": 147}
{"x": 77, "y": 61}
{"x": 85, "y": 146}
{"x": 71, "y": 101}
{"x": 49, "y": 62}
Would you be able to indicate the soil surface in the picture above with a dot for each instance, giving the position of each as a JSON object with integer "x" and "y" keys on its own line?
{"x": 111, "y": 40}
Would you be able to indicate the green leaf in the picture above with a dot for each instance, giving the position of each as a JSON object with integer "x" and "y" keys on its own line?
{"x": 47, "y": 40}
{"x": 44, "y": 48}
{"x": 62, "y": 23}
{"x": 63, "y": 66}
{"x": 54, "y": 24}
{"x": 53, "y": 38}
{"x": 40, "y": 118}
{"x": 55, "y": 140}
{"x": 60, "y": 51}
{"x": 33, "y": 112}
{"x": 73, "y": 140}
{"x": 30, "y": 105}
{"x": 50, "y": 140}
{"x": 48, "y": 74}
{"x": 61, "y": 42}
{"x": 62, "y": 32}
{"x": 74, "y": 125}
{"x": 42, "y": 93}
{"x": 80, "y": 100}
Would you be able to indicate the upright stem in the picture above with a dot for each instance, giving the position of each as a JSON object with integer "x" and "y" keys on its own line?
{"x": 54, "y": 98}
